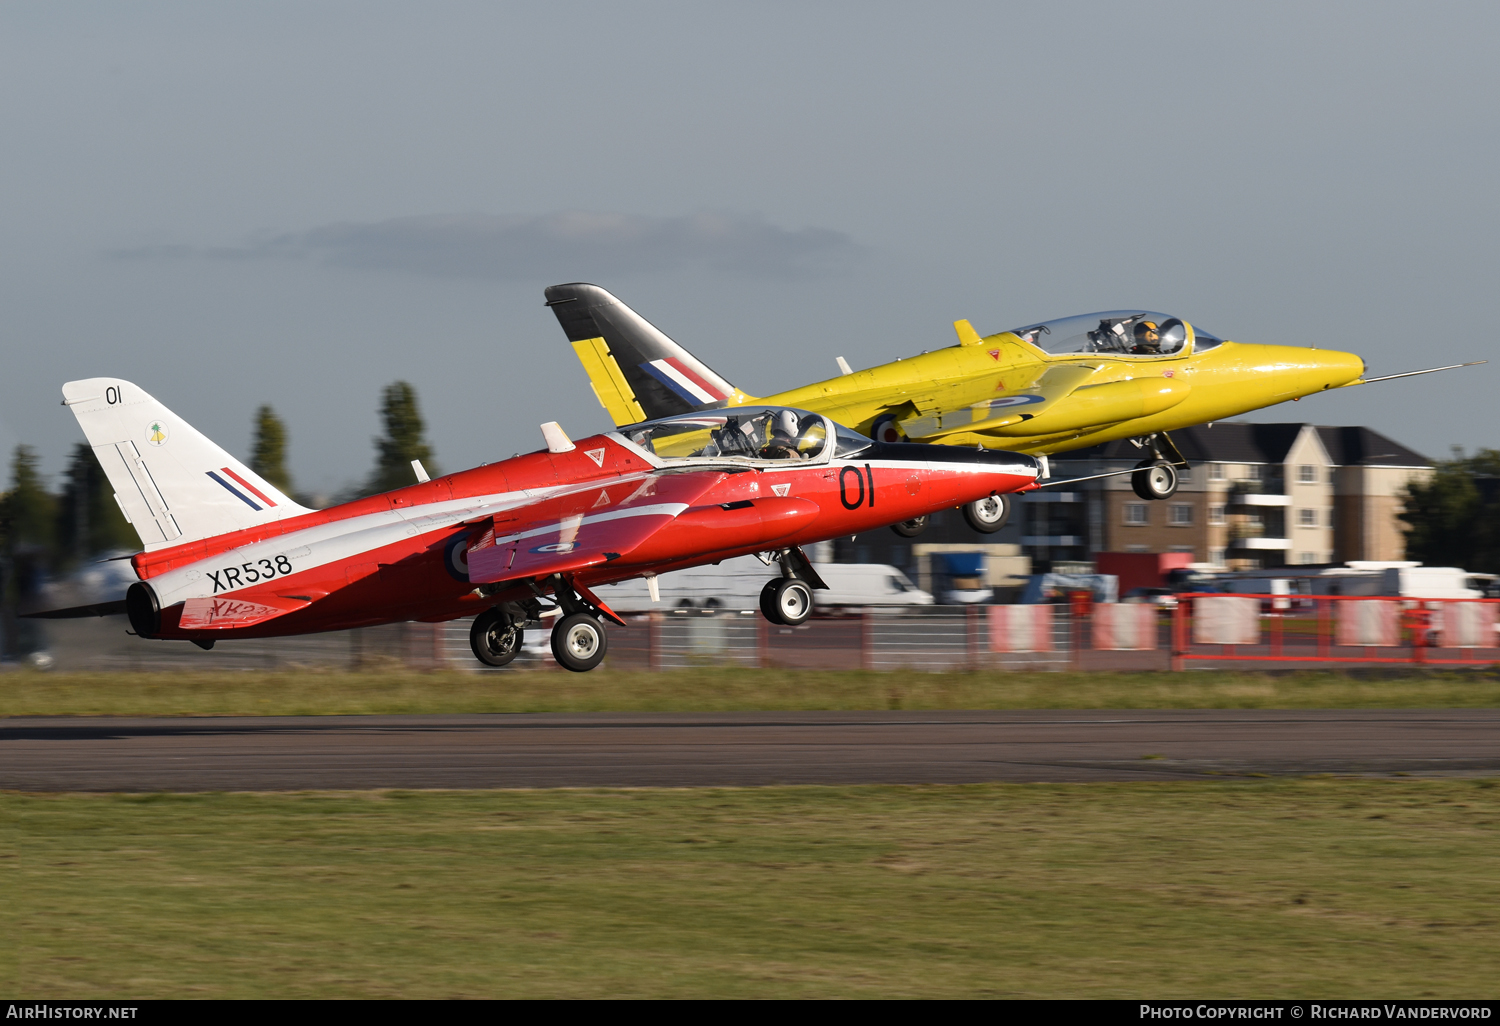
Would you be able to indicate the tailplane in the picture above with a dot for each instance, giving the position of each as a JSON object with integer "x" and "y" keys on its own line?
{"x": 636, "y": 370}
{"x": 172, "y": 483}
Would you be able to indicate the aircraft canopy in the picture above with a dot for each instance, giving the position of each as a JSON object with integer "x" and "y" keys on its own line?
{"x": 752, "y": 433}
{"x": 1121, "y": 333}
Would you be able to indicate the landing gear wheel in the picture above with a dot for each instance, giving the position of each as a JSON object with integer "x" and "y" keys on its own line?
{"x": 768, "y": 600}
{"x": 1154, "y": 479}
{"x": 793, "y": 601}
{"x": 885, "y": 429}
{"x": 910, "y": 528}
{"x": 579, "y": 642}
{"x": 989, "y": 514}
{"x": 495, "y": 639}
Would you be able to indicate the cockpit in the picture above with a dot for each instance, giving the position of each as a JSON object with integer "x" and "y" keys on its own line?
{"x": 754, "y": 433}
{"x": 1120, "y": 333}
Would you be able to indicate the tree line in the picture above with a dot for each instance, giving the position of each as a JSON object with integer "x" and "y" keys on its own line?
{"x": 1453, "y": 517}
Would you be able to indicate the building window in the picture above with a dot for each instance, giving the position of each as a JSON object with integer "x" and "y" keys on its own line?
{"x": 1307, "y": 474}
{"x": 1307, "y": 517}
{"x": 1216, "y": 515}
{"x": 1185, "y": 475}
{"x": 1255, "y": 473}
{"x": 1253, "y": 519}
{"x": 1181, "y": 516}
{"x": 1216, "y": 557}
{"x": 1136, "y": 514}
{"x": 1216, "y": 471}
{"x": 1307, "y": 557}
{"x": 1333, "y": 475}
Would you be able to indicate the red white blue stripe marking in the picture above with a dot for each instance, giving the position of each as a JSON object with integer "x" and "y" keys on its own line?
{"x": 688, "y": 382}
{"x": 243, "y": 484}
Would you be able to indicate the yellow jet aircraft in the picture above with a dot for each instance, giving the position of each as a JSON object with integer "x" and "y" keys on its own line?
{"x": 1040, "y": 389}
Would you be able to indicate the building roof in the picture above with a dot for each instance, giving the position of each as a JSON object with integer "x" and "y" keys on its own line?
{"x": 1239, "y": 442}
{"x": 1361, "y": 447}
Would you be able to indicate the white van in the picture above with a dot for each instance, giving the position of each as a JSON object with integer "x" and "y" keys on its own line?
{"x": 736, "y": 584}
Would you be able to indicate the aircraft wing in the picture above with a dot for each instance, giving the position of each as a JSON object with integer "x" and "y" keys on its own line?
{"x": 582, "y": 528}
{"x": 1014, "y": 406}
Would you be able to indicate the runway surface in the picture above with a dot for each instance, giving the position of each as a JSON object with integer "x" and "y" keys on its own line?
{"x": 705, "y": 749}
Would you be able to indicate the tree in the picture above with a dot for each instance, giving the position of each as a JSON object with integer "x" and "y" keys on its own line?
{"x": 27, "y": 515}
{"x": 402, "y": 442}
{"x": 29, "y": 509}
{"x": 89, "y": 520}
{"x": 1453, "y": 518}
{"x": 268, "y": 456}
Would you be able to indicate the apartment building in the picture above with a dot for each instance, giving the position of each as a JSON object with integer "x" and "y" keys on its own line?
{"x": 1257, "y": 495}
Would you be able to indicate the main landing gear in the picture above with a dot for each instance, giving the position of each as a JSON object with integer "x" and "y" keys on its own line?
{"x": 989, "y": 514}
{"x": 788, "y": 600}
{"x": 579, "y": 640}
{"x": 985, "y": 515}
{"x": 496, "y": 636}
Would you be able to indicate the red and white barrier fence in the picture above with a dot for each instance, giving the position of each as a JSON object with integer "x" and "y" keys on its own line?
{"x": 1334, "y": 629}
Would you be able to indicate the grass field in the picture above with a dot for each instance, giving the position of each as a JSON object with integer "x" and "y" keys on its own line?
{"x": 1348, "y": 888}
{"x": 716, "y": 689}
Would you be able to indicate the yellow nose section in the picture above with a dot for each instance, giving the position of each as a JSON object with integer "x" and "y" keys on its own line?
{"x": 1317, "y": 370}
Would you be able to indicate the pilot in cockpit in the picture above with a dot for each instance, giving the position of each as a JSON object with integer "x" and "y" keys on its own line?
{"x": 783, "y": 442}
{"x": 1147, "y": 341}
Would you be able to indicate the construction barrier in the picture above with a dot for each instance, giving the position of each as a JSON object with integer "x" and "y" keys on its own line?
{"x": 1334, "y": 629}
{"x": 1124, "y": 627}
{"x": 1021, "y": 629}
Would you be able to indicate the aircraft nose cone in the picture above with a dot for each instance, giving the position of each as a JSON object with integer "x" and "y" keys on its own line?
{"x": 1328, "y": 368}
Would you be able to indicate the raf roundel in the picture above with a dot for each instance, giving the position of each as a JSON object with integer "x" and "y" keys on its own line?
{"x": 156, "y": 432}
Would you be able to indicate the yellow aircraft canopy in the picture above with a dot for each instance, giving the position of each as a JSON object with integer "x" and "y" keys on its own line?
{"x": 1119, "y": 332}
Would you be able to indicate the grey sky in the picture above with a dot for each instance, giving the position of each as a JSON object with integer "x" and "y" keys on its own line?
{"x": 298, "y": 203}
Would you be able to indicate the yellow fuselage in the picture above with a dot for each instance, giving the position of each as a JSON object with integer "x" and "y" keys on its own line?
{"x": 1080, "y": 399}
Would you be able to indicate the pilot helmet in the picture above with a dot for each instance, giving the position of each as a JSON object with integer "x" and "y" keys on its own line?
{"x": 1146, "y": 336}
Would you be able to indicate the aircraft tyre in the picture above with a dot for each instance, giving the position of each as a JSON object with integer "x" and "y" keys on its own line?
{"x": 768, "y": 600}
{"x": 793, "y": 602}
{"x": 910, "y": 528}
{"x": 989, "y": 514}
{"x": 1154, "y": 479}
{"x": 579, "y": 642}
{"x": 494, "y": 639}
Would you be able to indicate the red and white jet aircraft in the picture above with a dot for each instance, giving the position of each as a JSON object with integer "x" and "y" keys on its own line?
{"x": 229, "y": 556}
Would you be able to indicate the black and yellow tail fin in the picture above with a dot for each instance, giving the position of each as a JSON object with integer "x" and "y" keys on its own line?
{"x": 637, "y": 372}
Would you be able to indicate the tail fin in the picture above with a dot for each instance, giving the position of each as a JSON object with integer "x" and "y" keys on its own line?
{"x": 173, "y": 484}
{"x": 637, "y": 372}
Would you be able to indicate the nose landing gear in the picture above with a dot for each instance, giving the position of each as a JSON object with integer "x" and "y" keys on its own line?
{"x": 787, "y": 600}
